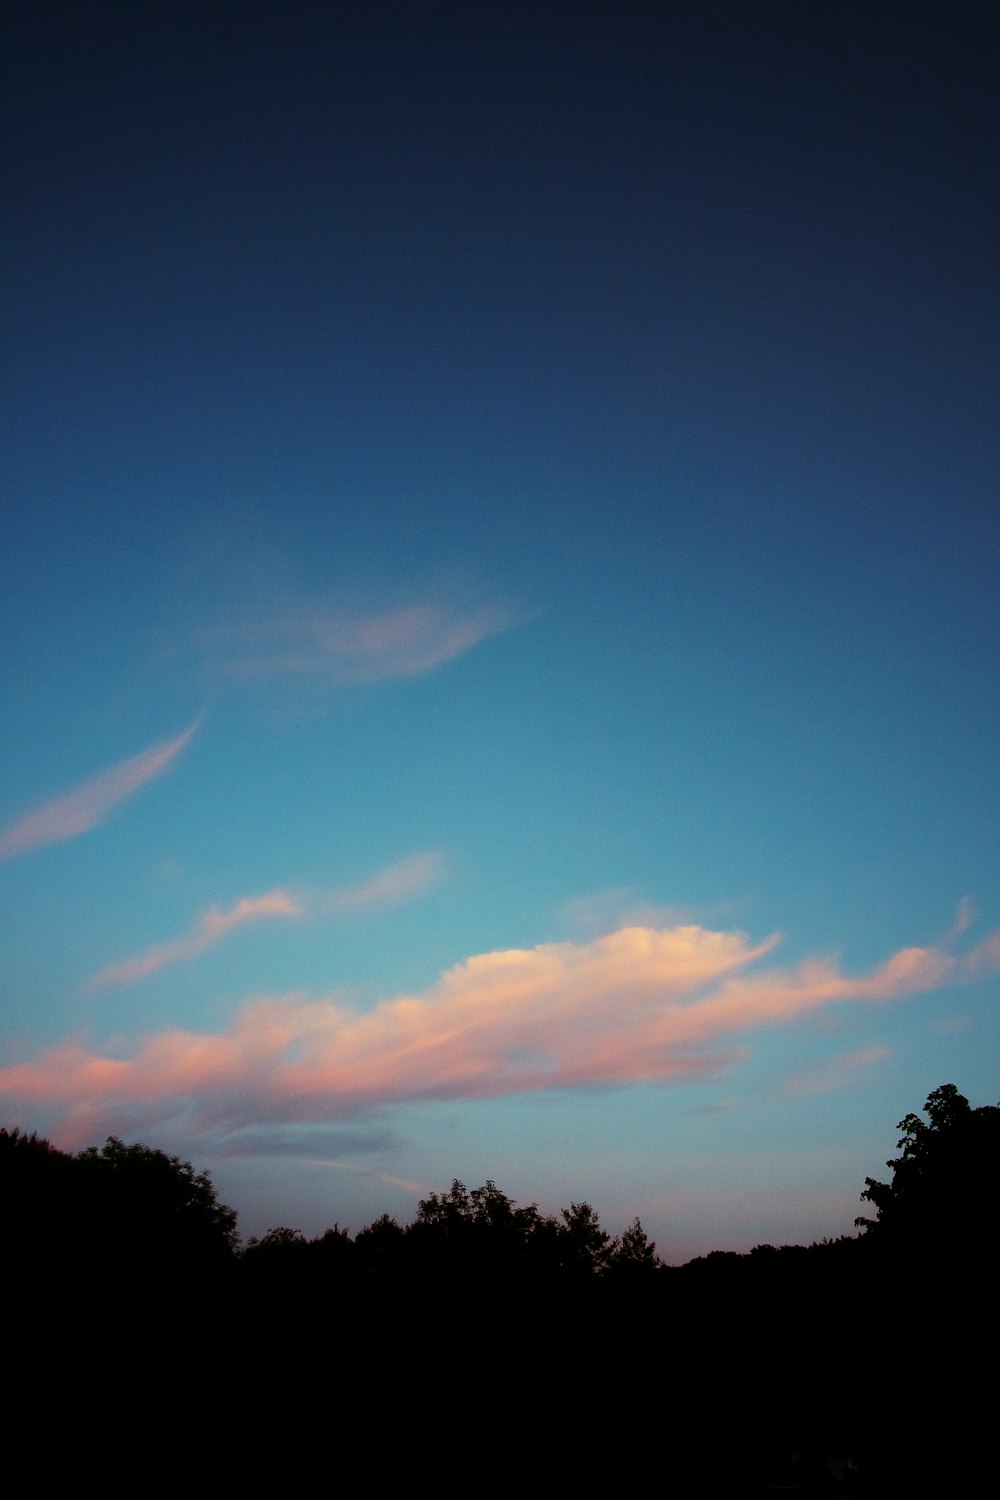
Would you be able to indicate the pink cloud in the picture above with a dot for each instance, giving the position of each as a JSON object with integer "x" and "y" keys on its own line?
{"x": 965, "y": 915}
{"x": 638, "y": 1005}
{"x": 838, "y": 1072}
{"x": 338, "y": 646}
{"x": 210, "y": 929}
{"x": 396, "y": 883}
{"x": 89, "y": 804}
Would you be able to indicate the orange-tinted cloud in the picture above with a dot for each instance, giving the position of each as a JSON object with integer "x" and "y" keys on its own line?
{"x": 638, "y": 1005}
{"x": 89, "y": 804}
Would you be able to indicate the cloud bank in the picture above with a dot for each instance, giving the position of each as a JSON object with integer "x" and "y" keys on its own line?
{"x": 641, "y": 1005}
{"x": 398, "y": 882}
{"x": 87, "y": 806}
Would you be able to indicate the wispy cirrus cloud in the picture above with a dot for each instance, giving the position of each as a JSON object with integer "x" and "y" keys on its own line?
{"x": 398, "y": 882}
{"x": 405, "y": 1184}
{"x": 965, "y": 915}
{"x": 838, "y": 1072}
{"x": 337, "y": 646}
{"x": 402, "y": 881}
{"x": 211, "y": 928}
{"x": 637, "y": 1005}
{"x": 90, "y": 803}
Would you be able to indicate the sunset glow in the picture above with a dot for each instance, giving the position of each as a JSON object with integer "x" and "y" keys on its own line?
{"x": 498, "y": 587}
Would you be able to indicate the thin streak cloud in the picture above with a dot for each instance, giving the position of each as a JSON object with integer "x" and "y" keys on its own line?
{"x": 637, "y": 1006}
{"x": 837, "y": 1072}
{"x": 405, "y": 1184}
{"x": 90, "y": 803}
{"x": 965, "y": 915}
{"x": 210, "y": 929}
{"x": 339, "y": 647}
{"x": 396, "y": 883}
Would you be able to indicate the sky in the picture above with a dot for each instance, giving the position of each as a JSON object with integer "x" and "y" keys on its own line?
{"x": 498, "y": 593}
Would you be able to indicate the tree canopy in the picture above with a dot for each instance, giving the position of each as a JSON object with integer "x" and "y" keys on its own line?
{"x": 944, "y": 1180}
{"x": 161, "y": 1199}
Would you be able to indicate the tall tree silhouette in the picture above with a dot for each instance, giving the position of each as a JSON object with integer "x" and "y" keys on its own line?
{"x": 943, "y": 1188}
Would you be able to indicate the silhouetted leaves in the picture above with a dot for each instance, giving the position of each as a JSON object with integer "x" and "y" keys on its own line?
{"x": 157, "y": 1204}
{"x": 587, "y": 1247}
{"x": 634, "y": 1253}
{"x": 941, "y": 1200}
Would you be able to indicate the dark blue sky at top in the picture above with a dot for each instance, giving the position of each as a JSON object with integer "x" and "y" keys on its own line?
{"x": 694, "y": 302}
{"x": 672, "y": 325}
{"x": 511, "y": 251}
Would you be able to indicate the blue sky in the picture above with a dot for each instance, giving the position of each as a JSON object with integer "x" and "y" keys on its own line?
{"x": 498, "y": 590}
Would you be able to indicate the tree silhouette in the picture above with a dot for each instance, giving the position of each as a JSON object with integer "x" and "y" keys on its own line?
{"x": 275, "y": 1241}
{"x": 634, "y": 1253}
{"x": 149, "y": 1205}
{"x": 587, "y": 1247}
{"x": 943, "y": 1184}
{"x": 381, "y": 1243}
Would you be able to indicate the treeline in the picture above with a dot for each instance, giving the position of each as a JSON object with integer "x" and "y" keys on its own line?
{"x": 141, "y": 1207}
{"x": 133, "y": 1206}
{"x": 477, "y": 1234}
{"x": 121, "y": 1213}
{"x": 148, "y": 1349}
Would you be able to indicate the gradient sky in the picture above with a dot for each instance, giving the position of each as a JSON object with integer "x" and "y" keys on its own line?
{"x": 498, "y": 584}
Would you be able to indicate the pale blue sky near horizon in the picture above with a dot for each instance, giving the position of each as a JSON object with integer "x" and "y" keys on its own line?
{"x": 501, "y": 480}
